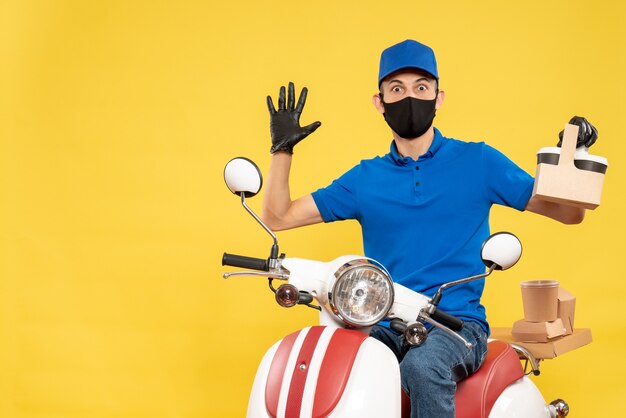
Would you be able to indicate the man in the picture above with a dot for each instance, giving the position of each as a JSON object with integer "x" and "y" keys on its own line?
{"x": 423, "y": 208}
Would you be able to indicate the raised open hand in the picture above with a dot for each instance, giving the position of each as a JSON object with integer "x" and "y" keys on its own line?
{"x": 285, "y": 122}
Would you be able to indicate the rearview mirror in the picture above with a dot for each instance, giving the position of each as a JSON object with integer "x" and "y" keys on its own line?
{"x": 501, "y": 250}
{"x": 242, "y": 176}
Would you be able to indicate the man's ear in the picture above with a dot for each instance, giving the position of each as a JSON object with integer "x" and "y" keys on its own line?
{"x": 440, "y": 96}
{"x": 377, "y": 101}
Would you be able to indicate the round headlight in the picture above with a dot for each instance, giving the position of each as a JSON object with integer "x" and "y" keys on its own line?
{"x": 362, "y": 293}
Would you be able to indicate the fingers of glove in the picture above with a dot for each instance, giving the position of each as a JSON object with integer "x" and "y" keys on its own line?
{"x": 595, "y": 131}
{"x": 583, "y": 127}
{"x": 560, "y": 139}
{"x": 588, "y": 133}
{"x": 302, "y": 100}
{"x": 578, "y": 137}
{"x": 594, "y": 136}
{"x": 589, "y": 128}
{"x": 270, "y": 105}
{"x": 591, "y": 135}
{"x": 309, "y": 129}
{"x": 281, "y": 98}
{"x": 577, "y": 120}
{"x": 291, "y": 96}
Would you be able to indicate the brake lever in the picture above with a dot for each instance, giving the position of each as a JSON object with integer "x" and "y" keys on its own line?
{"x": 431, "y": 321}
{"x": 275, "y": 275}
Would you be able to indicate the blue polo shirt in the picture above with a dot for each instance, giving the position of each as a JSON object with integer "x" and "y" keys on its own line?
{"x": 426, "y": 220}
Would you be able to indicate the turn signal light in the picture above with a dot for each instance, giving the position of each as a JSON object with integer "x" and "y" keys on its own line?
{"x": 287, "y": 295}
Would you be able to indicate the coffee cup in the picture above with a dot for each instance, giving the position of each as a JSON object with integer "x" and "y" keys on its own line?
{"x": 540, "y": 300}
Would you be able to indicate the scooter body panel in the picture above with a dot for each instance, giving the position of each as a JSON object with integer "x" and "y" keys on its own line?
{"x": 371, "y": 387}
{"x": 521, "y": 399}
{"x": 373, "y": 390}
{"x": 256, "y": 404}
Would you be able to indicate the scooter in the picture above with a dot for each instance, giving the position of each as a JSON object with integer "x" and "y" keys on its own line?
{"x": 335, "y": 369}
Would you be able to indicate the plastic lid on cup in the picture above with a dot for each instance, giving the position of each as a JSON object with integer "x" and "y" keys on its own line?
{"x": 549, "y": 150}
{"x": 580, "y": 154}
{"x": 540, "y": 283}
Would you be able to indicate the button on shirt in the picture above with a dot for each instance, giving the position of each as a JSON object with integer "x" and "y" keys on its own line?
{"x": 426, "y": 220}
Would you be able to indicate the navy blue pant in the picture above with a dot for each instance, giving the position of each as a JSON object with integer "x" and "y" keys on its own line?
{"x": 429, "y": 373}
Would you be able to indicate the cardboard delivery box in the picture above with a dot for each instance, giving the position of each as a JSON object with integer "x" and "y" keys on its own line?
{"x": 569, "y": 176}
{"x": 550, "y": 349}
{"x": 566, "y": 308}
{"x": 540, "y": 332}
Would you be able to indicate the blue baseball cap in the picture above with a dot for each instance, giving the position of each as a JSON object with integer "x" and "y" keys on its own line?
{"x": 407, "y": 54}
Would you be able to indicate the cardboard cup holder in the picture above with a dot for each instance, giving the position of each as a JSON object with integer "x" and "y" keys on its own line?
{"x": 570, "y": 176}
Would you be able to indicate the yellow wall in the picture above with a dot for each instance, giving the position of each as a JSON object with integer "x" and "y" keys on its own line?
{"x": 116, "y": 118}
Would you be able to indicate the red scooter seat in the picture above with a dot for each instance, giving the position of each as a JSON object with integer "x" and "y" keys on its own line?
{"x": 476, "y": 395}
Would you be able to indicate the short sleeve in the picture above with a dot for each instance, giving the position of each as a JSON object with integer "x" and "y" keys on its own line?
{"x": 338, "y": 201}
{"x": 506, "y": 183}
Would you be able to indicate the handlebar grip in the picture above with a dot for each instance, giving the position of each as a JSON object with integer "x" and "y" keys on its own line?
{"x": 245, "y": 262}
{"x": 452, "y": 322}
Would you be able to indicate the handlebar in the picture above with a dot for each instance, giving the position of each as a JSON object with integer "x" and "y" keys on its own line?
{"x": 245, "y": 262}
{"x": 452, "y": 322}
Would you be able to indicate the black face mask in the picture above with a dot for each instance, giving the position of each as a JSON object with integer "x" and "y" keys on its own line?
{"x": 410, "y": 117}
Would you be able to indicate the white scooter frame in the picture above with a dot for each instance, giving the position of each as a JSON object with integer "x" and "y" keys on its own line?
{"x": 337, "y": 370}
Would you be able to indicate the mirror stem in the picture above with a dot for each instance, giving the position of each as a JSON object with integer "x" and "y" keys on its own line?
{"x": 435, "y": 300}
{"x": 274, "y": 252}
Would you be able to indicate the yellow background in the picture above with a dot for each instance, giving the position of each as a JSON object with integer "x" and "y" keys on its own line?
{"x": 116, "y": 118}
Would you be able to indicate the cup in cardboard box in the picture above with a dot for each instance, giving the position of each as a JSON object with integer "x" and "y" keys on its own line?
{"x": 582, "y": 159}
{"x": 540, "y": 300}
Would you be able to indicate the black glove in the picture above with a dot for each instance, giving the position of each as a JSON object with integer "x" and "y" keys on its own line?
{"x": 285, "y": 123}
{"x": 587, "y": 133}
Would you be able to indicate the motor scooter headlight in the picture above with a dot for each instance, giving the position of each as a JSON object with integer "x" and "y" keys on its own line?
{"x": 362, "y": 293}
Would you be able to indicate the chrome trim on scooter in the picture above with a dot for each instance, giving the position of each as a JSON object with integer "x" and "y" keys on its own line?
{"x": 444, "y": 286}
{"x": 524, "y": 353}
{"x": 558, "y": 408}
{"x": 345, "y": 269}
